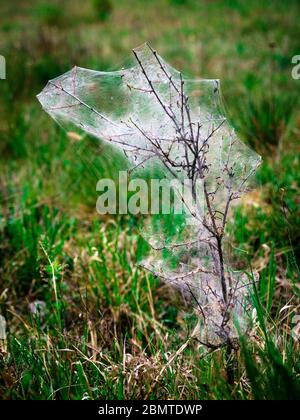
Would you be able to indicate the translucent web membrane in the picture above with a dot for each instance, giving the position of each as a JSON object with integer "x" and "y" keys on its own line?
{"x": 116, "y": 106}
{"x": 158, "y": 117}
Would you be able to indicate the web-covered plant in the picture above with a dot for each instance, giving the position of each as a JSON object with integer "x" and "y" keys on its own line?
{"x": 155, "y": 115}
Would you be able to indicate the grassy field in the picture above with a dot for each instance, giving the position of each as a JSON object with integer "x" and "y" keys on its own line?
{"x": 83, "y": 322}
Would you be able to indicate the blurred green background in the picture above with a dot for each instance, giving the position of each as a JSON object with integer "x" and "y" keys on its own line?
{"x": 99, "y": 317}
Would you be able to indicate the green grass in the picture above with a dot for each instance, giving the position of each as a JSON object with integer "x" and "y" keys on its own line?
{"x": 105, "y": 328}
